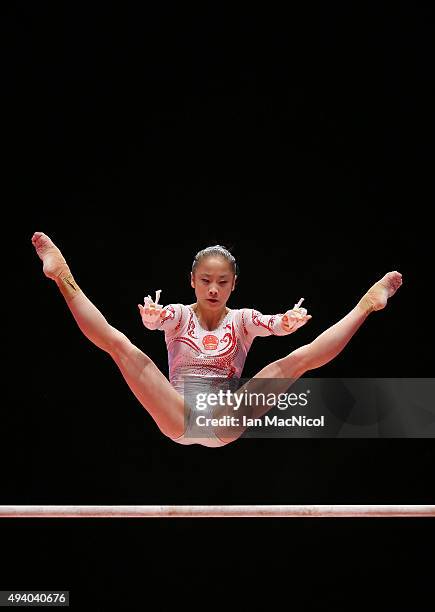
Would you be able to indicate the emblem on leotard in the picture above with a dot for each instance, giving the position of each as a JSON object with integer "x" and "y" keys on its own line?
{"x": 210, "y": 343}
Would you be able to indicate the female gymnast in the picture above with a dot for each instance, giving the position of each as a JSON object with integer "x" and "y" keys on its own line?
{"x": 205, "y": 340}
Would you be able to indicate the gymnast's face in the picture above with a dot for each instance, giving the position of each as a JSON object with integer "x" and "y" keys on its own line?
{"x": 213, "y": 281}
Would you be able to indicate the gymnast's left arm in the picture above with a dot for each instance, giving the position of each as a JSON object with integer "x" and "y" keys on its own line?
{"x": 256, "y": 324}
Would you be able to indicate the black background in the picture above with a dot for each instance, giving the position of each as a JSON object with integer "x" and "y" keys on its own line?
{"x": 300, "y": 138}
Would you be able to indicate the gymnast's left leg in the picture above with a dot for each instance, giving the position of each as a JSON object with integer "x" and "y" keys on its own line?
{"x": 325, "y": 347}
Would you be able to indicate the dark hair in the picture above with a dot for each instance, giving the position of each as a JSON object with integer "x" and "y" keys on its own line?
{"x": 216, "y": 251}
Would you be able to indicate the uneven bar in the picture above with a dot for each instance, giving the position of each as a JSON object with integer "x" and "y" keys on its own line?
{"x": 276, "y": 511}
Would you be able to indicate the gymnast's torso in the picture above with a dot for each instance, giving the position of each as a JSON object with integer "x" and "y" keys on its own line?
{"x": 195, "y": 352}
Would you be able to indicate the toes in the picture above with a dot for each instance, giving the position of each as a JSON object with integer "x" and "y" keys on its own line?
{"x": 40, "y": 240}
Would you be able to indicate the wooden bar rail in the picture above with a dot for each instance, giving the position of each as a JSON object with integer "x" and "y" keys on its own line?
{"x": 239, "y": 511}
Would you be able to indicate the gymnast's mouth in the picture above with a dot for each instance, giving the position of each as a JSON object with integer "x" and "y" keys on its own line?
{"x": 212, "y": 301}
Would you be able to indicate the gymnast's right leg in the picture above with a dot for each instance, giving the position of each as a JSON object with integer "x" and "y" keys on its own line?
{"x": 145, "y": 380}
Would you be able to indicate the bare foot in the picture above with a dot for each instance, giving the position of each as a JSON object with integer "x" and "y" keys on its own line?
{"x": 54, "y": 265}
{"x": 377, "y": 296}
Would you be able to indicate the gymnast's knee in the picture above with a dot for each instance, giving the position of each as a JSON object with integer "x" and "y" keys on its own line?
{"x": 298, "y": 362}
{"x": 117, "y": 342}
{"x": 121, "y": 348}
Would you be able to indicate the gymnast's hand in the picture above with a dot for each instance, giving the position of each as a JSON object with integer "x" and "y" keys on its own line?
{"x": 295, "y": 318}
{"x": 152, "y": 312}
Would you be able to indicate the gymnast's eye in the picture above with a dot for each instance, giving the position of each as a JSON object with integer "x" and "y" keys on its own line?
{"x": 223, "y": 283}
{"x": 205, "y": 280}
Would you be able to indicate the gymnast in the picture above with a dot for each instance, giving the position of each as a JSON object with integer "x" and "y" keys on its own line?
{"x": 205, "y": 340}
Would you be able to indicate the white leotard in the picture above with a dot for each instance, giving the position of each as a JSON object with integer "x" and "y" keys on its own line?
{"x": 221, "y": 353}
{"x": 197, "y": 355}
